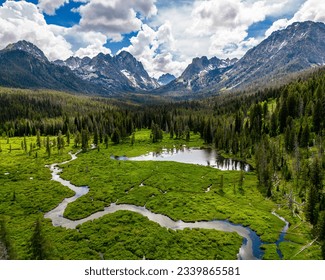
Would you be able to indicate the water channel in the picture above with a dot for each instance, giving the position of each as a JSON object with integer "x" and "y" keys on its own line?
{"x": 250, "y": 248}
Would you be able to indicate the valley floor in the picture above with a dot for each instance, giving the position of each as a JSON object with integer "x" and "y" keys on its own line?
{"x": 176, "y": 190}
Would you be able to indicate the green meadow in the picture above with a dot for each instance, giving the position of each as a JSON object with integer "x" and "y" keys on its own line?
{"x": 174, "y": 189}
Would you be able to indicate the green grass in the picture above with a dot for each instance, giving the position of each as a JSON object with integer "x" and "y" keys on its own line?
{"x": 174, "y": 189}
{"x": 270, "y": 252}
{"x": 130, "y": 236}
{"x": 26, "y": 190}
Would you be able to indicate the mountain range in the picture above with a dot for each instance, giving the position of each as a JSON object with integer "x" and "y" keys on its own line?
{"x": 297, "y": 48}
{"x": 112, "y": 74}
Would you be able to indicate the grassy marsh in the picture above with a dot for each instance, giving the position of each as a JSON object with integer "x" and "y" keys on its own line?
{"x": 174, "y": 189}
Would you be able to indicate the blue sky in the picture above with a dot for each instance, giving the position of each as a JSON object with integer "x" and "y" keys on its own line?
{"x": 165, "y": 35}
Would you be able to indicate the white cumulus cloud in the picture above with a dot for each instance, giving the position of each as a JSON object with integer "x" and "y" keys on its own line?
{"x": 50, "y": 6}
{"x": 23, "y": 21}
{"x": 154, "y": 50}
{"x": 313, "y": 10}
{"x": 115, "y": 17}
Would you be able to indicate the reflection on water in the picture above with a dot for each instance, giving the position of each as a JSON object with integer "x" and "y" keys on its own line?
{"x": 205, "y": 157}
{"x": 250, "y": 248}
{"x": 282, "y": 234}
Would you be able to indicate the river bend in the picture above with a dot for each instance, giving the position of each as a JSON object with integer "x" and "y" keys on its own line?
{"x": 249, "y": 250}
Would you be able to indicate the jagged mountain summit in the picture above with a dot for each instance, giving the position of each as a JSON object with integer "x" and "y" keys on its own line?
{"x": 26, "y": 47}
{"x": 23, "y": 65}
{"x": 199, "y": 75}
{"x": 121, "y": 72}
{"x": 166, "y": 79}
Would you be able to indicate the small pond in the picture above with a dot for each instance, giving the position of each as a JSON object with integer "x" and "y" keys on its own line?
{"x": 204, "y": 157}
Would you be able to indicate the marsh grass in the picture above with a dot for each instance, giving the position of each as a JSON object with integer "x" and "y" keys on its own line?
{"x": 173, "y": 189}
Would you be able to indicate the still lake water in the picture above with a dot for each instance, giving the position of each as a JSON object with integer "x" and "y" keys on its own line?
{"x": 204, "y": 157}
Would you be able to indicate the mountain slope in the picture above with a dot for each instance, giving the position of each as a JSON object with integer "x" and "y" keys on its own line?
{"x": 23, "y": 65}
{"x": 298, "y": 47}
{"x": 199, "y": 75}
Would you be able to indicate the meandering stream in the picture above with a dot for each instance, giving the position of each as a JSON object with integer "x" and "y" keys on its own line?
{"x": 249, "y": 250}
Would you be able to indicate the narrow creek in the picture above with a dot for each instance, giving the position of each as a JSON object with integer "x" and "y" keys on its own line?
{"x": 250, "y": 249}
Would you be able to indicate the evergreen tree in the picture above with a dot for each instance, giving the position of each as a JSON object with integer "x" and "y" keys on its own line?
{"x": 311, "y": 206}
{"x": 38, "y": 243}
{"x": 156, "y": 133}
{"x": 5, "y": 239}
{"x": 315, "y": 194}
{"x": 77, "y": 139}
{"x": 116, "y": 136}
{"x": 187, "y": 134}
{"x": 263, "y": 166}
{"x": 84, "y": 140}
{"x": 133, "y": 139}
{"x": 207, "y": 133}
{"x": 283, "y": 114}
{"x": 304, "y": 140}
{"x": 96, "y": 137}
{"x": 274, "y": 125}
{"x": 25, "y": 144}
{"x": 106, "y": 140}
{"x": 318, "y": 116}
{"x": 60, "y": 142}
{"x": 38, "y": 139}
{"x": 68, "y": 137}
{"x": 171, "y": 131}
{"x": 316, "y": 174}
{"x": 48, "y": 146}
{"x": 321, "y": 226}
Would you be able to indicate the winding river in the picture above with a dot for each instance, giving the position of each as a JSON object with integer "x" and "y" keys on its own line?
{"x": 250, "y": 249}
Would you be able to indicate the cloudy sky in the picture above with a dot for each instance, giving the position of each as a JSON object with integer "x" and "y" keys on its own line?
{"x": 163, "y": 34}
